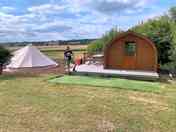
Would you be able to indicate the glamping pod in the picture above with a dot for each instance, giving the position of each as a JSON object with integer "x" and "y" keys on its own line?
{"x": 131, "y": 51}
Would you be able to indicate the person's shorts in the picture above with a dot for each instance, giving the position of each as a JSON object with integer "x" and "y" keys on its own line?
{"x": 68, "y": 61}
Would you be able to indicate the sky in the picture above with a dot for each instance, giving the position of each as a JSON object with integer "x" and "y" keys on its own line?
{"x": 43, "y": 20}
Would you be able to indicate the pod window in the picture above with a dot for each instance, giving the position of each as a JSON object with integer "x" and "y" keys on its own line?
{"x": 130, "y": 48}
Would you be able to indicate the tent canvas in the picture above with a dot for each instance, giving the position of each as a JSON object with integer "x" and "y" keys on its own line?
{"x": 29, "y": 57}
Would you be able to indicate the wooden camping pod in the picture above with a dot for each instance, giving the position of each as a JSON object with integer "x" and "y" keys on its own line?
{"x": 131, "y": 51}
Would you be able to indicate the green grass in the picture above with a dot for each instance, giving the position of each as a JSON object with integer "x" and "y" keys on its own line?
{"x": 108, "y": 82}
{"x": 54, "y": 54}
{"x": 29, "y": 103}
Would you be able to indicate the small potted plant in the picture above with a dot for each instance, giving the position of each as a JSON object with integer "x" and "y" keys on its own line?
{"x": 5, "y": 56}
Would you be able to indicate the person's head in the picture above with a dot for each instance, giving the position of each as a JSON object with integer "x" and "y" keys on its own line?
{"x": 68, "y": 48}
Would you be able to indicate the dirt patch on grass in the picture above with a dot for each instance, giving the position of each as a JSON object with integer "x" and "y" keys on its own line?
{"x": 155, "y": 103}
{"x": 106, "y": 126}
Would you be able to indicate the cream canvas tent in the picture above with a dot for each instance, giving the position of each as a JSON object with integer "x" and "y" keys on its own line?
{"x": 30, "y": 57}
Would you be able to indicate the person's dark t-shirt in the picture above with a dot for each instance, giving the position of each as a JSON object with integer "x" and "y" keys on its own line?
{"x": 68, "y": 54}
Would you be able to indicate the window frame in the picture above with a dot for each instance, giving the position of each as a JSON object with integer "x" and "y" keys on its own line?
{"x": 130, "y": 48}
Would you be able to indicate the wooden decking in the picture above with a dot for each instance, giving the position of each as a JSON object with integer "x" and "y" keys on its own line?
{"x": 99, "y": 70}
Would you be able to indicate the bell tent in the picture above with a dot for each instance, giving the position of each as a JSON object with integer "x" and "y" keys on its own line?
{"x": 30, "y": 57}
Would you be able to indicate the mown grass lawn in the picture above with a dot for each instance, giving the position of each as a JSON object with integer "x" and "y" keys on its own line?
{"x": 30, "y": 103}
{"x": 108, "y": 82}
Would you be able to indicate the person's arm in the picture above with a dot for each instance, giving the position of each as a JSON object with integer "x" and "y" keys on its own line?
{"x": 72, "y": 54}
{"x": 65, "y": 54}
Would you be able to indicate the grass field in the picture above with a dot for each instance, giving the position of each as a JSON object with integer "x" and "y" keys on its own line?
{"x": 31, "y": 104}
{"x": 58, "y": 55}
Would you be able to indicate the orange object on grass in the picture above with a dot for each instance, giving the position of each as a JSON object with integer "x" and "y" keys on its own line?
{"x": 78, "y": 61}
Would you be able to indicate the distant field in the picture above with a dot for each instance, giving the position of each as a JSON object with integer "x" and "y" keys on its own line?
{"x": 57, "y": 52}
{"x": 57, "y": 55}
{"x": 63, "y": 47}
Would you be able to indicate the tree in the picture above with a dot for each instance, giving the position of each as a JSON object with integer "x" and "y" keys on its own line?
{"x": 5, "y": 56}
{"x": 98, "y": 45}
{"x": 172, "y": 64}
{"x": 172, "y": 13}
{"x": 159, "y": 30}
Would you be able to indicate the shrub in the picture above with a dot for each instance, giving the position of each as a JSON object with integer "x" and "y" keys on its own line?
{"x": 99, "y": 45}
{"x": 159, "y": 30}
{"x": 5, "y": 56}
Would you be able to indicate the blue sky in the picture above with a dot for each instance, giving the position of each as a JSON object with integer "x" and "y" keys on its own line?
{"x": 42, "y": 20}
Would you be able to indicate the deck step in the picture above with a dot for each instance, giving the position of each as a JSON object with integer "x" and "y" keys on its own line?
{"x": 98, "y": 70}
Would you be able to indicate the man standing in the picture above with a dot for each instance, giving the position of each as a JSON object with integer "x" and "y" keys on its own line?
{"x": 68, "y": 54}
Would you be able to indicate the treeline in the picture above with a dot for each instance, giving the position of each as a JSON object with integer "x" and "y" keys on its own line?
{"x": 161, "y": 30}
{"x": 98, "y": 45}
{"x": 48, "y": 43}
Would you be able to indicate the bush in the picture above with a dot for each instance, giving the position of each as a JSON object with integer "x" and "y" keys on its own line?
{"x": 5, "y": 56}
{"x": 96, "y": 47}
{"x": 159, "y": 30}
{"x": 99, "y": 45}
{"x": 171, "y": 66}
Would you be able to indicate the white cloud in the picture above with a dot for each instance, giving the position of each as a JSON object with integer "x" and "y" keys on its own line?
{"x": 73, "y": 19}
{"x": 46, "y": 8}
{"x": 7, "y": 9}
{"x": 108, "y": 6}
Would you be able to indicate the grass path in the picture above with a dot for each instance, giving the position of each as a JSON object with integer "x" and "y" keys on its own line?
{"x": 29, "y": 104}
{"x": 108, "y": 82}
